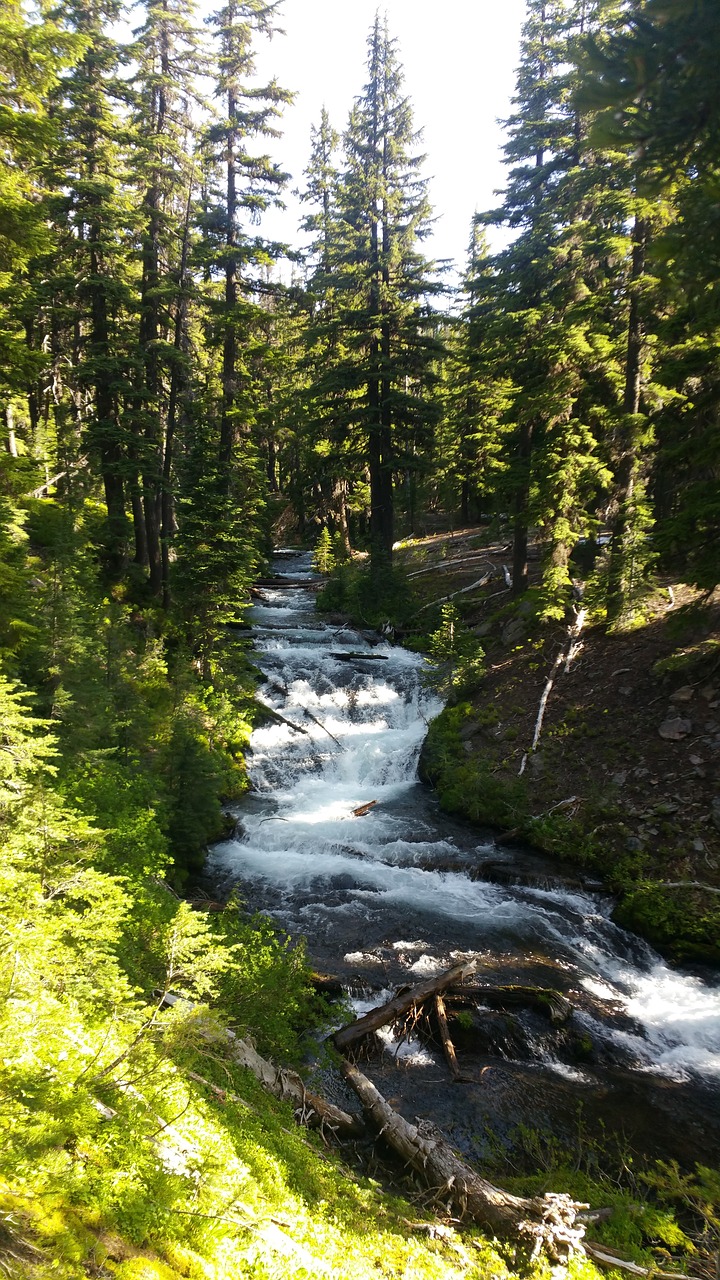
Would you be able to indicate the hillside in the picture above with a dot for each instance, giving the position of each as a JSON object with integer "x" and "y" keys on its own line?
{"x": 625, "y": 779}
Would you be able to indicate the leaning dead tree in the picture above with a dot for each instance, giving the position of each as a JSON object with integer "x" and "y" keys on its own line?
{"x": 567, "y": 655}
{"x": 547, "y": 1222}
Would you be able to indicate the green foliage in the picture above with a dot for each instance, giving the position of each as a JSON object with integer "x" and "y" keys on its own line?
{"x": 457, "y": 655}
{"x": 323, "y": 557}
{"x": 467, "y": 786}
{"x": 370, "y": 596}
{"x": 684, "y": 921}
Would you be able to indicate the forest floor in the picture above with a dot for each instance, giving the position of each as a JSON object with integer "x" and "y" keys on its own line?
{"x": 626, "y": 775}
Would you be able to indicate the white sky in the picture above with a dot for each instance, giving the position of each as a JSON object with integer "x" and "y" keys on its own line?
{"x": 459, "y": 59}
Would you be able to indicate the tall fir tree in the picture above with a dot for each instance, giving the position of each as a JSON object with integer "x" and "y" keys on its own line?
{"x": 384, "y": 281}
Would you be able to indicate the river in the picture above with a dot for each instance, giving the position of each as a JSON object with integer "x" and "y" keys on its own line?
{"x": 399, "y": 892}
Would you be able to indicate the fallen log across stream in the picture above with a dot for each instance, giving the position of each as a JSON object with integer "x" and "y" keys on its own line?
{"x": 400, "y": 1004}
{"x": 545, "y": 1000}
{"x": 547, "y": 1222}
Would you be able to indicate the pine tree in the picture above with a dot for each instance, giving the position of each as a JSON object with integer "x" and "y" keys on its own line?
{"x": 91, "y": 215}
{"x": 654, "y": 84}
{"x": 384, "y": 281}
{"x": 165, "y": 85}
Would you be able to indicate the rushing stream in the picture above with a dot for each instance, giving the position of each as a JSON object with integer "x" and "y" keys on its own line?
{"x": 400, "y": 891}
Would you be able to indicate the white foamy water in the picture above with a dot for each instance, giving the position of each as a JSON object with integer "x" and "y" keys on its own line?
{"x": 352, "y": 738}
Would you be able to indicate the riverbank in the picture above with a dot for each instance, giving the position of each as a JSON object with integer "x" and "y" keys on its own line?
{"x": 625, "y": 779}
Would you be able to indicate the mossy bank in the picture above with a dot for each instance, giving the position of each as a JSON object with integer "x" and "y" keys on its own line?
{"x": 624, "y": 779}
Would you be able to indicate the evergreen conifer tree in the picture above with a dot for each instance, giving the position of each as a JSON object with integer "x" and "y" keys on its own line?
{"x": 384, "y": 281}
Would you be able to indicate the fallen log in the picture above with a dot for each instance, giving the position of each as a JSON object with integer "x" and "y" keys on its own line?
{"x": 547, "y": 1222}
{"x": 310, "y": 1109}
{"x": 359, "y": 657}
{"x": 448, "y": 1046}
{"x": 474, "y": 586}
{"x": 275, "y": 715}
{"x": 324, "y": 728}
{"x": 362, "y": 809}
{"x": 553, "y": 1004}
{"x": 607, "y": 1257}
{"x": 280, "y": 581}
{"x": 447, "y": 566}
{"x": 400, "y": 1004}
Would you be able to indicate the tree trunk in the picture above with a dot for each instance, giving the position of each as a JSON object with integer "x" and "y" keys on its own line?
{"x": 630, "y": 441}
{"x": 400, "y": 1004}
{"x": 177, "y": 381}
{"x": 106, "y": 424}
{"x": 522, "y": 502}
{"x": 229, "y": 369}
{"x": 549, "y": 1221}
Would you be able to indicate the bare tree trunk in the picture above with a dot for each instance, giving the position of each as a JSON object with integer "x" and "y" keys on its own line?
{"x": 545, "y": 1222}
{"x": 400, "y": 1004}
{"x": 628, "y": 463}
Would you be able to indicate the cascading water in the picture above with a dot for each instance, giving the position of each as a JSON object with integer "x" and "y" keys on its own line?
{"x": 388, "y": 893}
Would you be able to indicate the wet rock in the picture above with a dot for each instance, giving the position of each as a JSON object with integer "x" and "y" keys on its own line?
{"x": 685, "y": 694}
{"x": 675, "y": 729}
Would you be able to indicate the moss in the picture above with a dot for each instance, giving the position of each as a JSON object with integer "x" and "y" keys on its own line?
{"x": 467, "y": 786}
{"x": 684, "y": 922}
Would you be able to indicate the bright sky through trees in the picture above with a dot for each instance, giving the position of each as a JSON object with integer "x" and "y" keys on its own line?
{"x": 459, "y": 63}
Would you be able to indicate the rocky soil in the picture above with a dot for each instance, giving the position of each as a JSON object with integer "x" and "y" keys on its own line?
{"x": 625, "y": 778}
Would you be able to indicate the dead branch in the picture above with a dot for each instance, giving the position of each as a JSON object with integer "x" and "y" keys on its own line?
{"x": 548, "y": 1222}
{"x": 400, "y": 1004}
{"x": 448, "y": 1045}
{"x": 474, "y": 586}
{"x": 607, "y": 1257}
{"x": 566, "y": 656}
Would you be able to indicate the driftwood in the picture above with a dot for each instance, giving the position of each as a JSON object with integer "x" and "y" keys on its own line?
{"x": 362, "y": 809}
{"x": 310, "y": 1110}
{"x": 400, "y": 1004}
{"x": 448, "y": 1046}
{"x": 548, "y": 1221}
